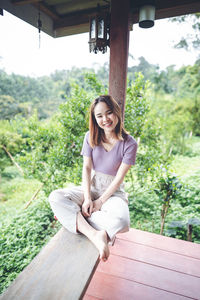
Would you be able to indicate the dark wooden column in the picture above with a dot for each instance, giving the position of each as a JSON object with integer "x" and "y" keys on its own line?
{"x": 119, "y": 44}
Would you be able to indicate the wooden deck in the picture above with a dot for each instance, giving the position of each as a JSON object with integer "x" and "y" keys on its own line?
{"x": 144, "y": 266}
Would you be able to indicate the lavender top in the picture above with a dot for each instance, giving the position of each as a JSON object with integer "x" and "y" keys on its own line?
{"x": 108, "y": 162}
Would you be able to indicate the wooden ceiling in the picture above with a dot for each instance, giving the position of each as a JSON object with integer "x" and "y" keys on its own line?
{"x": 67, "y": 17}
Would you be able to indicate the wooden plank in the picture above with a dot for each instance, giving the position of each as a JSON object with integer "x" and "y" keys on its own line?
{"x": 162, "y": 242}
{"x": 23, "y": 2}
{"x": 108, "y": 287}
{"x": 119, "y": 44}
{"x": 89, "y": 297}
{"x": 78, "y": 5}
{"x": 148, "y": 275}
{"x": 157, "y": 257}
{"x": 62, "y": 270}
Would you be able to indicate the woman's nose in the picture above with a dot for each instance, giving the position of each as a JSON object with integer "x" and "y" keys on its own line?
{"x": 105, "y": 118}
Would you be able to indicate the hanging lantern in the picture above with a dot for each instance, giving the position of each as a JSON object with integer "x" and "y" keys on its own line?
{"x": 147, "y": 15}
{"x": 99, "y": 33}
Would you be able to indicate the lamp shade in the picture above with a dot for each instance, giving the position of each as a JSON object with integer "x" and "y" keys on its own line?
{"x": 146, "y": 16}
{"x": 99, "y": 33}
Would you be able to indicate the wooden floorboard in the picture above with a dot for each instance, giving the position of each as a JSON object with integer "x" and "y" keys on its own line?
{"x": 157, "y": 257}
{"x": 145, "y": 266}
{"x": 161, "y": 242}
{"x": 107, "y": 287}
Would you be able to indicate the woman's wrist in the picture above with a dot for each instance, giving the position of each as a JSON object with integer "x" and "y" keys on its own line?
{"x": 87, "y": 199}
{"x": 101, "y": 201}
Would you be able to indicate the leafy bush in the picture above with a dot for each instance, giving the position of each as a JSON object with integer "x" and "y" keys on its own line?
{"x": 23, "y": 238}
{"x": 11, "y": 141}
{"x": 144, "y": 125}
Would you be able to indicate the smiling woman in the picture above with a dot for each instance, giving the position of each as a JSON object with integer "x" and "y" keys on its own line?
{"x": 99, "y": 208}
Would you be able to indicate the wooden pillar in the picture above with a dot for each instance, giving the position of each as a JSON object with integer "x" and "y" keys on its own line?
{"x": 119, "y": 44}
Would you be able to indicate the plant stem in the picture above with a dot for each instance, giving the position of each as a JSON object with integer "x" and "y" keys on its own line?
{"x": 12, "y": 159}
{"x": 34, "y": 196}
{"x": 164, "y": 213}
{"x": 189, "y": 233}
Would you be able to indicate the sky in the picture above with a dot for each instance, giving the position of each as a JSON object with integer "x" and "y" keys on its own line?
{"x": 20, "y": 52}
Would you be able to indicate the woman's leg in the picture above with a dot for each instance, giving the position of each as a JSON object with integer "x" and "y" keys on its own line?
{"x": 66, "y": 205}
{"x": 113, "y": 217}
{"x": 98, "y": 238}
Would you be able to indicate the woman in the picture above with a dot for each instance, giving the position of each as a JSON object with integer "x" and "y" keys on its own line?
{"x": 99, "y": 208}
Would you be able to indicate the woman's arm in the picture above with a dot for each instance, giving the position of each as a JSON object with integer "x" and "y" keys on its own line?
{"x": 122, "y": 171}
{"x": 86, "y": 182}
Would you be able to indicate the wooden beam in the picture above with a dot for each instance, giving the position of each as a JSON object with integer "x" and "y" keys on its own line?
{"x": 47, "y": 10}
{"x": 168, "y": 9}
{"x": 78, "y": 17}
{"x": 119, "y": 44}
{"x": 29, "y": 14}
{"x": 76, "y": 22}
{"x": 23, "y": 2}
{"x": 72, "y": 30}
{"x": 77, "y": 5}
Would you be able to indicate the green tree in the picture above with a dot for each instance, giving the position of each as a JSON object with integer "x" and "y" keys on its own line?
{"x": 191, "y": 40}
{"x": 8, "y": 107}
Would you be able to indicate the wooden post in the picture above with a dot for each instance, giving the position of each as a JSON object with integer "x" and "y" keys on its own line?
{"x": 119, "y": 44}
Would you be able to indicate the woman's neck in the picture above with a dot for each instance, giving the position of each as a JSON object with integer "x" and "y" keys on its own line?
{"x": 110, "y": 136}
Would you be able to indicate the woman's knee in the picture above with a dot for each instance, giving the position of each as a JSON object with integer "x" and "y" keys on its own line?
{"x": 55, "y": 196}
{"x": 122, "y": 223}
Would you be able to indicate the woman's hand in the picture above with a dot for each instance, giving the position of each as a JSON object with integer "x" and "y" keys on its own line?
{"x": 87, "y": 208}
{"x": 97, "y": 204}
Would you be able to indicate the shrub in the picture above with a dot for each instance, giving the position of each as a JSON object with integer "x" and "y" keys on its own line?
{"x": 23, "y": 238}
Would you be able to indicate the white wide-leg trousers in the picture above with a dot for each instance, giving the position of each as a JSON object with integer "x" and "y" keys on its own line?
{"x": 113, "y": 216}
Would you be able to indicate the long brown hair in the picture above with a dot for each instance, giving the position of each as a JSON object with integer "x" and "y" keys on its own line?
{"x": 96, "y": 133}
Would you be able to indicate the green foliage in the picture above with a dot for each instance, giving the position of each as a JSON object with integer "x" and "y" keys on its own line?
{"x": 192, "y": 40}
{"x": 8, "y": 107}
{"x": 137, "y": 105}
{"x": 23, "y": 238}
{"x": 24, "y": 95}
{"x": 54, "y": 146}
{"x": 168, "y": 187}
{"x": 145, "y": 127}
{"x": 11, "y": 140}
{"x": 144, "y": 209}
{"x": 149, "y": 71}
{"x": 15, "y": 192}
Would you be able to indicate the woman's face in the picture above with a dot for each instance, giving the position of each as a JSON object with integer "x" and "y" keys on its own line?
{"x": 105, "y": 118}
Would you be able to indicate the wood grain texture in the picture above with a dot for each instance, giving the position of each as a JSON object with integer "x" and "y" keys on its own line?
{"x": 162, "y": 242}
{"x": 157, "y": 257}
{"x": 106, "y": 287}
{"x": 148, "y": 275}
{"x": 146, "y": 266}
{"x": 119, "y": 45}
{"x": 62, "y": 270}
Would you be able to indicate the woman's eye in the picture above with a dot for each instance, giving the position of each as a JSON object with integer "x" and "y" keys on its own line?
{"x": 110, "y": 112}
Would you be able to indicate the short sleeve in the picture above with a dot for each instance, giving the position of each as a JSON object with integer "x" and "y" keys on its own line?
{"x": 130, "y": 150}
{"x": 86, "y": 149}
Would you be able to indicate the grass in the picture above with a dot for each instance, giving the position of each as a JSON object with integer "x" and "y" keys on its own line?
{"x": 187, "y": 167}
{"x": 16, "y": 191}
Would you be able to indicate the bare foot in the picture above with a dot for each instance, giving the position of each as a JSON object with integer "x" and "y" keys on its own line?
{"x": 100, "y": 240}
